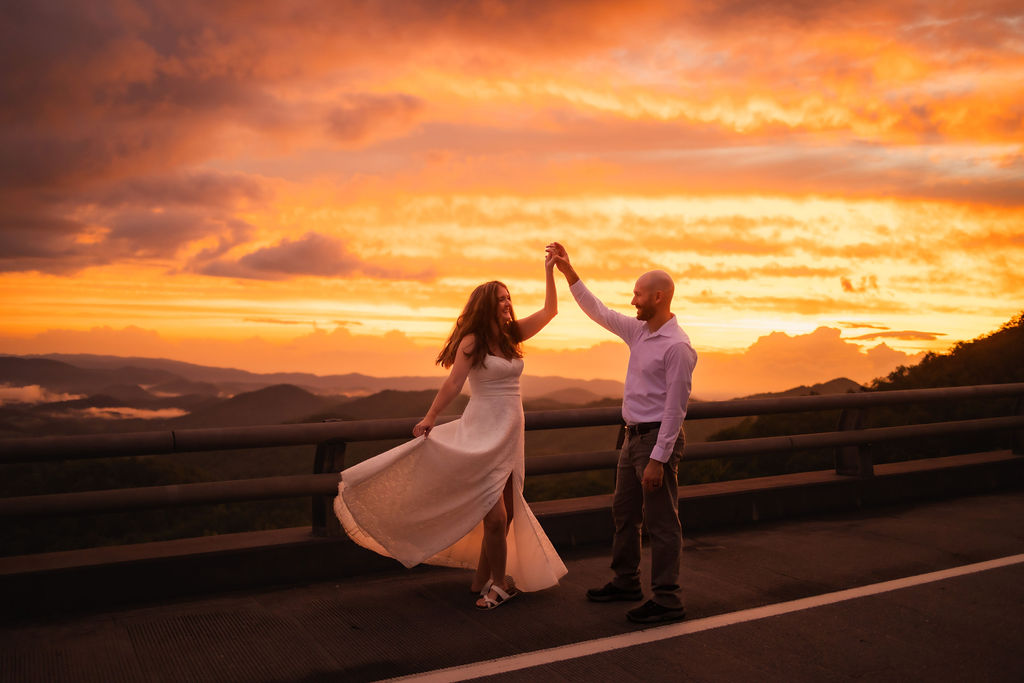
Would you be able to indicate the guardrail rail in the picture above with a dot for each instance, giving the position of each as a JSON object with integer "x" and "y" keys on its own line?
{"x": 851, "y": 443}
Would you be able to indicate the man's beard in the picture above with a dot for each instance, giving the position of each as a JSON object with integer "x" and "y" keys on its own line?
{"x": 644, "y": 313}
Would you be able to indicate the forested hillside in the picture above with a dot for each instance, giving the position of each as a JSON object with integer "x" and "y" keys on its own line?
{"x": 990, "y": 359}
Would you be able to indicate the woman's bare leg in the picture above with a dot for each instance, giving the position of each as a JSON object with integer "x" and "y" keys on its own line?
{"x": 483, "y": 565}
{"x": 495, "y": 548}
{"x": 509, "y": 502}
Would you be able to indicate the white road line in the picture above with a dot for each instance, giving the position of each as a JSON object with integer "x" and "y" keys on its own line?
{"x": 650, "y": 635}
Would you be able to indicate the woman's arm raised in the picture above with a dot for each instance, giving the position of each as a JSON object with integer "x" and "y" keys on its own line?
{"x": 450, "y": 388}
{"x": 533, "y": 324}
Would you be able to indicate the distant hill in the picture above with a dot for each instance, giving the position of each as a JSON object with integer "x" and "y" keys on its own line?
{"x": 272, "y": 405}
{"x": 96, "y": 371}
{"x": 183, "y": 386}
{"x": 573, "y": 396}
{"x": 388, "y": 404}
{"x": 109, "y": 382}
{"x": 66, "y": 378}
{"x": 131, "y": 394}
{"x": 840, "y": 385}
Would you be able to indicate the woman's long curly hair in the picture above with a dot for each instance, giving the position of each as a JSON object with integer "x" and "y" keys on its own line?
{"x": 478, "y": 318}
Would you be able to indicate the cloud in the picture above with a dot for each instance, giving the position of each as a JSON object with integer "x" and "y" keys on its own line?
{"x": 276, "y": 321}
{"x": 360, "y": 118}
{"x": 195, "y": 188}
{"x": 151, "y": 234}
{"x": 146, "y": 217}
{"x": 127, "y": 413}
{"x": 459, "y": 135}
{"x": 867, "y": 283}
{"x": 55, "y": 245}
{"x": 780, "y": 361}
{"x": 33, "y": 241}
{"x": 862, "y": 325}
{"x": 310, "y": 255}
{"x": 771, "y": 270}
{"x": 32, "y": 394}
{"x": 814, "y": 304}
{"x": 903, "y": 335}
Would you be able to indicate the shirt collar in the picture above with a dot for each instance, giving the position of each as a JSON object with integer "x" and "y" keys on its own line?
{"x": 669, "y": 329}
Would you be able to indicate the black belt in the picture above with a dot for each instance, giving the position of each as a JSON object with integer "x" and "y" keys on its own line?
{"x": 635, "y": 430}
{"x": 642, "y": 427}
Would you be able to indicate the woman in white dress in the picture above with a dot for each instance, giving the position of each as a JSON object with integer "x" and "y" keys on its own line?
{"x": 454, "y": 494}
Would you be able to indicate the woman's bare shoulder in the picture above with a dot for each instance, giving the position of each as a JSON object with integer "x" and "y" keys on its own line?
{"x": 468, "y": 343}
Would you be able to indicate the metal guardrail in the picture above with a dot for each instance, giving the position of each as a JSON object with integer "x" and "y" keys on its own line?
{"x": 331, "y": 438}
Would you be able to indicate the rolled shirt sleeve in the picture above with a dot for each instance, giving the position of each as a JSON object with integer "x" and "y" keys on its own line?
{"x": 680, "y": 359}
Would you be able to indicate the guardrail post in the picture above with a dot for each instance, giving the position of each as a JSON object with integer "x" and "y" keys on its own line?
{"x": 330, "y": 457}
{"x": 1017, "y": 437}
{"x": 853, "y": 461}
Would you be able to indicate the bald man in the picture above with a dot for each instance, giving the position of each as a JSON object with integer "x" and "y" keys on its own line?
{"x": 658, "y": 381}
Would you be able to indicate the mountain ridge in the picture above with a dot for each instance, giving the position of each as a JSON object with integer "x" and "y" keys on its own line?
{"x": 235, "y": 381}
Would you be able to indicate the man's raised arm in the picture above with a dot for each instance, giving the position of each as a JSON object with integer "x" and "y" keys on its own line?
{"x": 595, "y": 309}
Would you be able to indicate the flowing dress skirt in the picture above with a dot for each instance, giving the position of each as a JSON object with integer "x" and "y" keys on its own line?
{"x": 425, "y": 500}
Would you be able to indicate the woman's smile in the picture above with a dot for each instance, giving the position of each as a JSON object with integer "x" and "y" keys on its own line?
{"x": 504, "y": 305}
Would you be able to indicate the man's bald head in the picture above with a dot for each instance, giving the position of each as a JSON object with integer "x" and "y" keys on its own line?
{"x": 658, "y": 281}
{"x": 652, "y": 296}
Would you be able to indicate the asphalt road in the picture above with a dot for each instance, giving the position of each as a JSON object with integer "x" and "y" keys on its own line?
{"x": 739, "y": 588}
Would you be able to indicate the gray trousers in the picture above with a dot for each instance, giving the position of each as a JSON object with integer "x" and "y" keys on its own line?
{"x": 657, "y": 510}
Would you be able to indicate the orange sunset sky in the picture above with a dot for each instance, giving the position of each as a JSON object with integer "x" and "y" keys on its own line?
{"x": 317, "y": 186}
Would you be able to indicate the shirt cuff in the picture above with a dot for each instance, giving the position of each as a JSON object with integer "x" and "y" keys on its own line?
{"x": 660, "y": 454}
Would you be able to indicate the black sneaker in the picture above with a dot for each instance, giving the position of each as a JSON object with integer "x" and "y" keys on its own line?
{"x": 610, "y": 592}
{"x": 651, "y": 612}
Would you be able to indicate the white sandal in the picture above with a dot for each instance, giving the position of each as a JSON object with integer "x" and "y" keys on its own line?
{"x": 500, "y": 597}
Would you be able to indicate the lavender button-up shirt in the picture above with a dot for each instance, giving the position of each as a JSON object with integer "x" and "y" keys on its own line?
{"x": 660, "y": 372}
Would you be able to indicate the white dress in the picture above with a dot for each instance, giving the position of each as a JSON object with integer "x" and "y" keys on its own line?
{"x": 425, "y": 500}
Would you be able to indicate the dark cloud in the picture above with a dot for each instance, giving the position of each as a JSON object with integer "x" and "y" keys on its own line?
{"x": 849, "y": 325}
{"x": 311, "y": 255}
{"x": 701, "y": 272}
{"x": 275, "y": 321}
{"x": 807, "y": 305}
{"x": 142, "y": 217}
{"x": 931, "y": 25}
{"x": 204, "y": 189}
{"x": 866, "y": 284}
{"x": 149, "y": 234}
{"x": 903, "y": 335}
{"x": 43, "y": 241}
{"x": 56, "y": 245}
{"x": 360, "y": 117}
